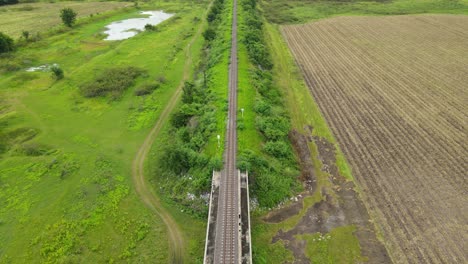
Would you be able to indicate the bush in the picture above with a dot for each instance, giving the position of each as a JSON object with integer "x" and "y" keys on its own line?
{"x": 209, "y": 34}
{"x": 25, "y": 34}
{"x": 57, "y": 72}
{"x": 145, "y": 89}
{"x": 10, "y": 66}
{"x": 112, "y": 81}
{"x": 273, "y": 127}
{"x": 34, "y": 149}
{"x": 277, "y": 149}
{"x": 6, "y": 43}
{"x": 149, "y": 27}
{"x": 68, "y": 16}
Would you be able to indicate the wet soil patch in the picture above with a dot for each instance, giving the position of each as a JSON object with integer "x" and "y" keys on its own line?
{"x": 341, "y": 206}
{"x": 300, "y": 143}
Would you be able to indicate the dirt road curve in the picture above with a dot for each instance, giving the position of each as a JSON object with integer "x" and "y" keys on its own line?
{"x": 394, "y": 91}
{"x": 227, "y": 243}
{"x": 142, "y": 187}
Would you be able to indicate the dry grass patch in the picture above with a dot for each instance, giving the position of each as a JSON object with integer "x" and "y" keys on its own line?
{"x": 38, "y": 17}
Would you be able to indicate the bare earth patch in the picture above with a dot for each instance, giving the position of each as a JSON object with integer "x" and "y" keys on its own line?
{"x": 394, "y": 91}
{"x": 341, "y": 205}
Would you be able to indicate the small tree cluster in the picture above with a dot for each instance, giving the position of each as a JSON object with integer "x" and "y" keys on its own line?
{"x": 68, "y": 16}
{"x": 57, "y": 72}
{"x": 6, "y": 43}
{"x": 8, "y": 2}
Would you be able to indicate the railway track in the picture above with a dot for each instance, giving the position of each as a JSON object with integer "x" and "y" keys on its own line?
{"x": 227, "y": 245}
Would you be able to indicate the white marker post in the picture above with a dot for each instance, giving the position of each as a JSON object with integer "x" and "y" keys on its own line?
{"x": 219, "y": 143}
{"x": 242, "y": 111}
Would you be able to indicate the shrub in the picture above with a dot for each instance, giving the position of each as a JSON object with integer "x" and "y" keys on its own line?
{"x": 6, "y": 43}
{"x": 278, "y": 149}
{"x": 112, "y": 81}
{"x": 25, "y": 34}
{"x": 10, "y": 66}
{"x": 68, "y": 16}
{"x": 209, "y": 34}
{"x": 149, "y": 27}
{"x": 34, "y": 149}
{"x": 273, "y": 127}
{"x": 161, "y": 79}
{"x": 57, "y": 72}
{"x": 146, "y": 89}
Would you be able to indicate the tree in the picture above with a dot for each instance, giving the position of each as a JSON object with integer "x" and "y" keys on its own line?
{"x": 57, "y": 72}
{"x": 6, "y": 43}
{"x": 68, "y": 16}
{"x": 209, "y": 34}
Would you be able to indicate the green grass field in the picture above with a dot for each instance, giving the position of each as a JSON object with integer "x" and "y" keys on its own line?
{"x": 301, "y": 11}
{"x": 42, "y": 16}
{"x": 65, "y": 187}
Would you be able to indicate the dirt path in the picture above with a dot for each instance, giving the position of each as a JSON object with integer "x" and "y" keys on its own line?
{"x": 144, "y": 190}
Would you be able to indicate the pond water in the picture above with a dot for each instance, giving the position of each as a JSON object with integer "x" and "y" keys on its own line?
{"x": 128, "y": 28}
{"x": 43, "y": 68}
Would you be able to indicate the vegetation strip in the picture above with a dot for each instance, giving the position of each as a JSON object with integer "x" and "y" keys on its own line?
{"x": 149, "y": 197}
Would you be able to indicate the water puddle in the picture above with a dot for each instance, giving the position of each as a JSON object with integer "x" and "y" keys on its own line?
{"x": 42, "y": 68}
{"x": 128, "y": 28}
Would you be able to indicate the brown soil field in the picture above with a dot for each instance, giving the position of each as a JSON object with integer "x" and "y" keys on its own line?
{"x": 394, "y": 90}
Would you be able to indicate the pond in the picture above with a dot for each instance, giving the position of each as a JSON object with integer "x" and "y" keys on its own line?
{"x": 42, "y": 68}
{"x": 128, "y": 28}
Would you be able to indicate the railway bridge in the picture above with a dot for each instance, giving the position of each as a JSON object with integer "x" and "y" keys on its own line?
{"x": 228, "y": 230}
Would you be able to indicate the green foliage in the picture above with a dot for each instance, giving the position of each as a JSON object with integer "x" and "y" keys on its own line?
{"x": 34, "y": 149}
{"x": 149, "y": 27}
{"x": 299, "y": 11}
{"x": 215, "y": 11}
{"x": 112, "y": 81}
{"x": 340, "y": 245}
{"x": 273, "y": 172}
{"x": 253, "y": 36}
{"x": 146, "y": 88}
{"x": 25, "y": 34}
{"x": 6, "y": 43}
{"x": 57, "y": 72}
{"x": 278, "y": 149}
{"x": 184, "y": 165}
{"x": 209, "y": 34}
{"x": 66, "y": 210}
{"x": 68, "y": 16}
{"x": 11, "y": 137}
{"x": 8, "y": 2}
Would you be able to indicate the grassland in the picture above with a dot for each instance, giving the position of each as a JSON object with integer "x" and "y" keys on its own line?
{"x": 394, "y": 96}
{"x": 300, "y": 11}
{"x": 66, "y": 191}
{"x": 42, "y": 16}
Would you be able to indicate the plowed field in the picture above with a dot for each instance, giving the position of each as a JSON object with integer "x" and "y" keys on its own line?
{"x": 395, "y": 92}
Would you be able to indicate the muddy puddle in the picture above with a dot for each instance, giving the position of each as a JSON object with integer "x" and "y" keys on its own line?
{"x": 128, "y": 28}
{"x": 42, "y": 68}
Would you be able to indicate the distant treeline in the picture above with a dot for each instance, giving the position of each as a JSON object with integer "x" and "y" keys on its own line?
{"x": 8, "y": 2}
